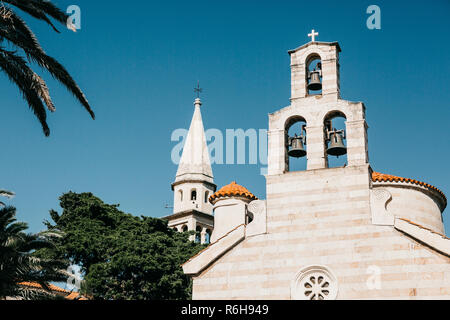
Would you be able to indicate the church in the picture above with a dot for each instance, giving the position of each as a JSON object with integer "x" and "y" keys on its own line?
{"x": 322, "y": 233}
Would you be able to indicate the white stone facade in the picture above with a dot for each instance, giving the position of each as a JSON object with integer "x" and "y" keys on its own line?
{"x": 326, "y": 233}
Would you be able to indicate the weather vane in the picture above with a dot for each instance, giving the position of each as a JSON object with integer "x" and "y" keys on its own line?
{"x": 198, "y": 90}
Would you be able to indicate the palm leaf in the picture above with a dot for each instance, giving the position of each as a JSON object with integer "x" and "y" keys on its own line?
{"x": 40, "y": 9}
{"x": 14, "y": 30}
{"x": 18, "y": 72}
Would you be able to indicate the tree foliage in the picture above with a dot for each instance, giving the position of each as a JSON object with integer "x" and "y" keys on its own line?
{"x": 18, "y": 262}
{"x": 123, "y": 257}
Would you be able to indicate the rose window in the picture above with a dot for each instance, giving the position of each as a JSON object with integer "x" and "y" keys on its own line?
{"x": 314, "y": 283}
{"x": 317, "y": 288}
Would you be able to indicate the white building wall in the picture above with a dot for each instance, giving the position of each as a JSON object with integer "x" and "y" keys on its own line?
{"x": 323, "y": 218}
{"x": 414, "y": 203}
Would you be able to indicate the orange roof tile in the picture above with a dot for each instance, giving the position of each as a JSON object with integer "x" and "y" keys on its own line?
{"x": 381, "y": 177}
{"x": 38, "y": 286}
{"x": 233, "y": 189}
{"x": 73, "y": 296}
{"x": 70, "y": 295}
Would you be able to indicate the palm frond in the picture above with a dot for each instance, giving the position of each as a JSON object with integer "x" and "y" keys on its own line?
{"x": 40, "y": 9}
{"x": 15, "y": 31}
{"x": 21, "y": 74}
{"x": 6, "y": 193}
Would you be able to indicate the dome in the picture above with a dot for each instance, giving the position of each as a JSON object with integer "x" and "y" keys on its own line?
{"x": 232, "y": 190}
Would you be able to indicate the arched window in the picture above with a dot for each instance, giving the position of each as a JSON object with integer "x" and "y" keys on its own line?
{"x": 335, "y": 139}
{"x": 198, "y": 234}
{"x": 206, "y": 196}
{"x": 194, "y": 195}
{"x": 184, "y": 228}
{"x": 180, "y": 195}
{"x": 208, "y": 236}
{"x": 313, "y": 74}
{"x": 295, "y": 135}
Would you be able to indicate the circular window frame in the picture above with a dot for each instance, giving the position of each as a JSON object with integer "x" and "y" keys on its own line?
{"x": 307, "y": 284}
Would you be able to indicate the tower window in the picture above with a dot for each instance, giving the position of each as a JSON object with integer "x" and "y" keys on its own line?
{"x": 198, "y": 236}
{"x": 206, "y": 196}
{"x": 180, "y": 193}
{"x": 194, "y": 195}
{"x": 208, "y": 236}
{"x": 314, "y": 75}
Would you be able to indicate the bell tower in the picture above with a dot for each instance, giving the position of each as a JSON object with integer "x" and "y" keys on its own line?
{"x": 328, "y": 137}
{"x": 315, "y": 67}
{"x": 194, "y": 184}
{"x": 317, "y": 105}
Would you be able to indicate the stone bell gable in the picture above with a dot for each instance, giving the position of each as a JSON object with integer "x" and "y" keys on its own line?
{"x": 325, "y": 232}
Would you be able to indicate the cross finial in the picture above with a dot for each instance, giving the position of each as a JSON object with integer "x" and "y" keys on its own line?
{"x": 198, "y": 90}
{"x": 313, "y": 35}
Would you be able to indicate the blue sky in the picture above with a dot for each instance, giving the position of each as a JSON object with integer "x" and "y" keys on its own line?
{"x": 138, "y": 65}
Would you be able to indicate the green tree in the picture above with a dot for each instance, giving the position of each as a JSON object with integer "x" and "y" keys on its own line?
{"x": 15, "y": 33}
{"x": 18, "y": 262}
{"x": 123, "y": 257}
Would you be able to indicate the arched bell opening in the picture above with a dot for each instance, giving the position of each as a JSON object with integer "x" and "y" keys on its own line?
{"x": 295, "y": 144}
{"x": 184, "y": 228}
{"x": 335, "y": 139}
{"x": 313, "y": 75}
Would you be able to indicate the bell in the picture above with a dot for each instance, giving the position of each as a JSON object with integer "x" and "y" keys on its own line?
{"x": 336, "y": 147}
{"x": 314, "y": 83}
{"x": 297, "y": 148}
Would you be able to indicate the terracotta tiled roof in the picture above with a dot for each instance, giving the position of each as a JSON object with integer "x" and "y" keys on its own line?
{"x": 72, "y": 296}
{"x": 38, "y": 286}
{"x": 233, "y": 189}
{"x": 381, "y": 177}
{"x": 69, "y": 295}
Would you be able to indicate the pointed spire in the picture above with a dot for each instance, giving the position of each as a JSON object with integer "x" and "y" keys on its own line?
{"x": 195, "y": 163}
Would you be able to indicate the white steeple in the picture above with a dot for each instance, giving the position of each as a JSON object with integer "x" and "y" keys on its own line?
{"x": 195, "y": 163}
{"x": 194, "y": 181}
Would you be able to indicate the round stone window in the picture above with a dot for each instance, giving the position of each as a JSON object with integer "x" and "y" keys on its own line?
{"x": 314, "y": 283}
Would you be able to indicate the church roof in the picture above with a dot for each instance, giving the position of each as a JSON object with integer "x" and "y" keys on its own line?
{"x": 195, "y": 164}
{"x": 68, "y": 295}
{"x": 233, "y": 190}
{"x": 381, "y": 177}
{"x": 335, "y": 43}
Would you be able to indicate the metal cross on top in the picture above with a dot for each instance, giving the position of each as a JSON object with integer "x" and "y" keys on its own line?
{"x": 198, "y": 90}
{"x": 313, "y": 35}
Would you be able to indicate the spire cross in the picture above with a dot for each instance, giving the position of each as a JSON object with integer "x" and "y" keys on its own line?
{"x": 198, "y": 90}
{"x": 313, "y": 35}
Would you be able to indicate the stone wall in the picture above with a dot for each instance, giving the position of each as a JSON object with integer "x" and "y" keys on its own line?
{"x": 413, "y": 203}
{"x": 323, "y": 218}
